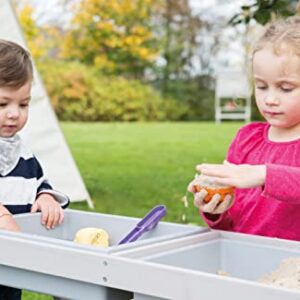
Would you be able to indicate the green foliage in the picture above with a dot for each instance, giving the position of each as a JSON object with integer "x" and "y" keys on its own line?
{"x": 26, "y": 295}
{"x": 80, "y": 93}
{"x": 263, "y": 11}
{"x": 196, "y": 93}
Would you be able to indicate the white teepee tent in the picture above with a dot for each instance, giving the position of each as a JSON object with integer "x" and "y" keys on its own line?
{"x": 42, "y": 132}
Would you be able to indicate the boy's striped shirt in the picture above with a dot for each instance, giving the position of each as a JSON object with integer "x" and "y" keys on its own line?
{"x": 20, "y": 187}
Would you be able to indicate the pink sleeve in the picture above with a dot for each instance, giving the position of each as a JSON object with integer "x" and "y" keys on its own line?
{"x": 282, "y": 183}
{"x": 222, "y": 222}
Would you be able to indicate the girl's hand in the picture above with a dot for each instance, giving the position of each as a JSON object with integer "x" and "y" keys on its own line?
{"x": 7, "y": 221}
{"x": 52, "y": 213}
{"x": 215, "y": 205}
{"x": 240, "y": 176}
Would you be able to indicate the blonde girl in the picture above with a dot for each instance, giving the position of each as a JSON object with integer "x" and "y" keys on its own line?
{"x": 263, "y": 161}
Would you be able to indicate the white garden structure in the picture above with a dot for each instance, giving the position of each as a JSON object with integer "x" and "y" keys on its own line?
{"x": 232, "y": 96}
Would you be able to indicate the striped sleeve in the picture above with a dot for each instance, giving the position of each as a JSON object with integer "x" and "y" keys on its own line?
{"x": 20, "y": 188}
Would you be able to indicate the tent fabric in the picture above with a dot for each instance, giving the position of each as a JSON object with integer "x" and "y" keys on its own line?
{"x": 42, "y": 133}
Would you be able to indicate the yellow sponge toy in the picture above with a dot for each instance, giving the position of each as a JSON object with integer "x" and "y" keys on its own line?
{"x": 92, "y": 236}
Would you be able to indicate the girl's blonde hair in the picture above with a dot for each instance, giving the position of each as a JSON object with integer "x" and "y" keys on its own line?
{"x": 284, "y": 31}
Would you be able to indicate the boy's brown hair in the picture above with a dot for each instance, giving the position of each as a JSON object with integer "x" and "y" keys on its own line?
{"x": 15, "y": 65}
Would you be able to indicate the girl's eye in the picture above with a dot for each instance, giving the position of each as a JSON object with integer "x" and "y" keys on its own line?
{"x": 24, "y": 105}
{"x": 261, "y": 87}
{"x": 3, "y": 104}
{"x": 286, "y": 90}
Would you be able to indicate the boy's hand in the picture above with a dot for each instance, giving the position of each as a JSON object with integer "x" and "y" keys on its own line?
{"x": 52, "y": 213}
{"x": 7, "y": 221}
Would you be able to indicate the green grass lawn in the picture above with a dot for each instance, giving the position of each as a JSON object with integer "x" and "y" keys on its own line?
{"x": 130, "y": 167}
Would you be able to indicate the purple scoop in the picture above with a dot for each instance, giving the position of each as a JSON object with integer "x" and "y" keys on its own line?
{"x": 149, "y": 221}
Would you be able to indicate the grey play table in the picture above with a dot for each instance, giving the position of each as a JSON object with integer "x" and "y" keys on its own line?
{"x": 180, "y": 267}
{"x": 48, "y": 261}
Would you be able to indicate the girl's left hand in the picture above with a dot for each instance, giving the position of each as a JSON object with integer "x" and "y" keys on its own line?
{"x": 52, "y": 213}
{"x": 215, "y": 206}
{"x": 240, "y": 176}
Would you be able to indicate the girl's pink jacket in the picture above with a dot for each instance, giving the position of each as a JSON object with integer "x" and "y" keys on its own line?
{"x": 272, "y": 210}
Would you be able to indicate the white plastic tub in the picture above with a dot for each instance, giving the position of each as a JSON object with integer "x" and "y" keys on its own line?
{"x": 116, "y": 226}
{"x": 243, "y": 258}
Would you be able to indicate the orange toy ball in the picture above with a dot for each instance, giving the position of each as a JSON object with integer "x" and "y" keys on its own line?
{"x": 223, "y": 191}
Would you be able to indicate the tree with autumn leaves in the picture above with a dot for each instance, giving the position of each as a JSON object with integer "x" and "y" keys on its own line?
{"x": 112, "y": 39}
{"x": 122, "y": 37}
{"x": 153, "y": 41}
{"x": 115, "y": 36}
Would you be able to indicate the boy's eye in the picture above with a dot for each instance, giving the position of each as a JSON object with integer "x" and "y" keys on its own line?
{"x": 3, "y": 104}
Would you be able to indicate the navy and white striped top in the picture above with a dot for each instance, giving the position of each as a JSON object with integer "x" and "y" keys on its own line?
{"x": 21, "y": 186}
